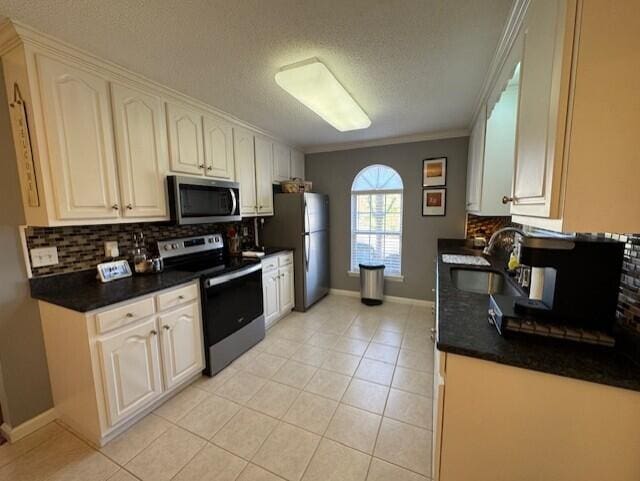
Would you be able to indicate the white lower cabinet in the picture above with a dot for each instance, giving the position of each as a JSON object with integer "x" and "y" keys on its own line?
{"x": 181, "y": 344}
{"x": 285, "y": 279}
{"x": 131, "y": 366}
{"x": 111, "y": 366}
{"x": 277, "y": 287}
{"x": 270, "y": 288}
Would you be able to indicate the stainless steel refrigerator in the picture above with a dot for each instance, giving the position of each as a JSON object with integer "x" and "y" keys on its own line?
{"x": 301, "y": 223}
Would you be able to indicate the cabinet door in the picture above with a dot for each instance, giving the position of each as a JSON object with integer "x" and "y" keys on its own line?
{"x": 281, "y": 162}
{"x": 270, "y": 293}
{"x": 141, "y": 143}
{"x": 130, "y": 363}
{"x": 77, "y": 119}
{"x": 538, "y": 112}
{"x": 476, "y": 162}
{"x": 297, "y": 165}
{"x": 218, "y": 148}
{"x": 286, "y": 289}
{"x": 182, "y": 344}
{"x": 185, "y": 139}
{"x": 264, "y": 175}
{"x": 245, "y": 170}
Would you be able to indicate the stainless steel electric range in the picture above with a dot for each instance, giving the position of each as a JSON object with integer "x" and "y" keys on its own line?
{"x": 231, "y": 292}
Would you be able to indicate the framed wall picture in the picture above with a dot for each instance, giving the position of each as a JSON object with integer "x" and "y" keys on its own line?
{"x": 434, "y": 172}
{"x": 434, "y": 202}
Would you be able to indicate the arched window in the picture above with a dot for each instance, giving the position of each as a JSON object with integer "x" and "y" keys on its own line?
{"x": 376, "y": 219}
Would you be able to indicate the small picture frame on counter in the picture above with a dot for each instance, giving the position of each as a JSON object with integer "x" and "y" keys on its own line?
{"x": 434, "y": 202}
{"x": 434, "y": 172}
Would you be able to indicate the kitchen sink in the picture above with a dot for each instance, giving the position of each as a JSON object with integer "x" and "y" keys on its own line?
{"x": 481, "y": 281}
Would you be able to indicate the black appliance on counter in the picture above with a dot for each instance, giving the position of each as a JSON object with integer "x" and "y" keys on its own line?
{"x": 579, "y": 294}
{"x": 231, "y": 293}
{"x": 203, "y": 201}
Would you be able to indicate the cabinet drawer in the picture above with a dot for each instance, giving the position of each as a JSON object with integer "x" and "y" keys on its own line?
{"x": 269, "y": 263}
{"x": 177, "y": 297}
{"x": 121, "y": 316}
{"x": 286, "y": 259}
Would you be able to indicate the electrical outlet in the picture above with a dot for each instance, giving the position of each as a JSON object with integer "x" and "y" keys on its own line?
{"x": 111, "y": 249}
{"x": 44, "y": 256}
{"x": 245, "y": 231}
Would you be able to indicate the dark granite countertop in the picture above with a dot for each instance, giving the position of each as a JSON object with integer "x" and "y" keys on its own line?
{"x": 82, "y": 292}
{"x": 463, "y": 329}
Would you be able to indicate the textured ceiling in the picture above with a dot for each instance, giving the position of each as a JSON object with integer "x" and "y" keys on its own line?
{"x": 415, "y": 66}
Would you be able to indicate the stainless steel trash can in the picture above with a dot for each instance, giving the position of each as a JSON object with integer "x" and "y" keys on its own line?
{"x": 371, "y": 284}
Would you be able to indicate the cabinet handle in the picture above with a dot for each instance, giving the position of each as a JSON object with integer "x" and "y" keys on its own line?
{"x": 129, "y": 207}
{"x": 129, "y": 314}
{"x": 506, "y": 200}
{"x": 154, "y": 333}
{"x": 115, "y": 207}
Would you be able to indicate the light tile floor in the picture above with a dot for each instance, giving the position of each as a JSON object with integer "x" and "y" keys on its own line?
{"x": 340, "y": 393}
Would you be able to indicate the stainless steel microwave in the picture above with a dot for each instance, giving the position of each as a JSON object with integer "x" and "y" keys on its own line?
{"x": 202, "y": 201}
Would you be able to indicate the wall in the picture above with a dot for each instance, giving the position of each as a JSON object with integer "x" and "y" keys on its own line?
{"x": 25, "y": 390}
{"x": 333, "y": 172}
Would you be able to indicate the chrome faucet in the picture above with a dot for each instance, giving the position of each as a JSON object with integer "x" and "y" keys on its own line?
{"x": 489, "y": 249}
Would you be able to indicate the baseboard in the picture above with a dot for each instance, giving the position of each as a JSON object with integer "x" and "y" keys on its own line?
{"x": 399, "y": 300}
{"x": 14, "y": 434}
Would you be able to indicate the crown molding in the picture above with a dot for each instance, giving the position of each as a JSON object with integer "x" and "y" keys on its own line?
{"x": 404, "y": 139}
{"x": 14, "y": 33}
{"x": 507, "y": 39}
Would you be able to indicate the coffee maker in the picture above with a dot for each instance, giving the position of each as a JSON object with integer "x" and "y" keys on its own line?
{"x": 580, "y": 277}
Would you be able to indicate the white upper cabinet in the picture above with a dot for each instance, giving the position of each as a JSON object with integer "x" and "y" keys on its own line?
{"x": 218, "y": 148}
{"x": 141, "y": 143}
{"x": 245, "y": 170}
{"x": 297, "y": 165}
{"x": 80, "y": 147}
{"x": 130, "y": 363}
{"x": 475, "y": 163}
{"x": 264, "y": 175}
{"x": 540, "y": 126}
{"x": 185, "y": 139}
{"x": 281, "y": 162}
{"x": 95, "y": 142}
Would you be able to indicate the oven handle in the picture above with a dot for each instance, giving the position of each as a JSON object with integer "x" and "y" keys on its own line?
{"x": 214, "y": 281}
{"x": 234, "y": 201}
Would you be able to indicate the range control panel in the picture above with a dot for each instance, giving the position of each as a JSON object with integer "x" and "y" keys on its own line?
{"x": 190, "y": 245}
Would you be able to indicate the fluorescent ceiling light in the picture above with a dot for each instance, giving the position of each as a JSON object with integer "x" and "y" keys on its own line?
{"x": 311, "y": 82}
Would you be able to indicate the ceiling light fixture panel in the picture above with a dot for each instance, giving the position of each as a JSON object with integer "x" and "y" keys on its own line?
{"x": 313, "y": 84}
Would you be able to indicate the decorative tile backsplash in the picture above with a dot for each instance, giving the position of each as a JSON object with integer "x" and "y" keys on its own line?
{"x": 82, "y": 247}
{"x": 481, "y": 226}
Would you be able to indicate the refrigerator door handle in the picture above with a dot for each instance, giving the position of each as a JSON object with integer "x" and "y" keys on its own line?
{"x": 307, "y": 238}
{"x": 306, "y": 216}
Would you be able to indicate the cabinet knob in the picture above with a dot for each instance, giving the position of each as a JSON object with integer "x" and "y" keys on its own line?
{"x": 201, "y": 166}
{"x": 166, "y": 328}
{"x": 506, "y": 200}
{"x": 154, "y": 333}
{"x": 181, "y": 297}
{"x": 129, "y": 314}
{"x": 129, "y": 207}
{"x": 115, "y": 207}
{"x": 209, "y": 168}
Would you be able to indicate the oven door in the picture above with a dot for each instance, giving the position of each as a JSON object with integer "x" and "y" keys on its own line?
{"x": 196, "y": 201}
{"x": 231, "y": 301}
